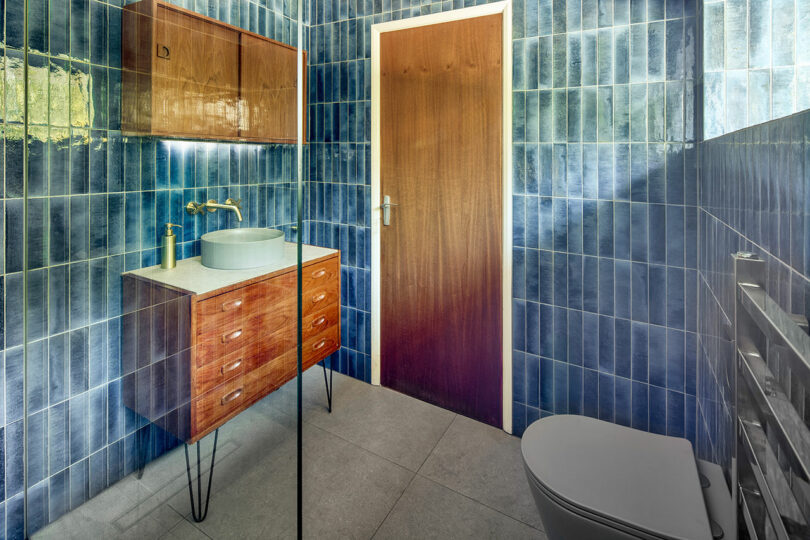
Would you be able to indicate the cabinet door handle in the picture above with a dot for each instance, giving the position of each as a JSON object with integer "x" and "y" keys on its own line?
{"x": 233, "y": 304}
{"x": 227, "y": 369}
{"x": 230, "y": 397}
{"x": 318, "y": 298}
{"x": 232, "y": 336}
{"x": 319, "y": 321}
{"x": 319, "y": 273}
{"x": 320, "y": 345}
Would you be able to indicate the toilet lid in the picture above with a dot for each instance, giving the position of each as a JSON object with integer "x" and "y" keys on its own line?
{"x": 644, "y": 481}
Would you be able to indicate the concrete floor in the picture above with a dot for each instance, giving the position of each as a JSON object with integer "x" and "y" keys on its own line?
{"x": 382, "y": 465}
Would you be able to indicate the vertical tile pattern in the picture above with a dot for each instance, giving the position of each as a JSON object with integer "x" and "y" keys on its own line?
{"x": 605, "y": 199}
{"x": 97, "y": 203}
{"x": 755, "y": 60}
{"x": 754, "y": 186}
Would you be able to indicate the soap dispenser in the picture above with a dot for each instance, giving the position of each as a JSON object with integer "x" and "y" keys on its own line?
{"x": 168, "y": 247}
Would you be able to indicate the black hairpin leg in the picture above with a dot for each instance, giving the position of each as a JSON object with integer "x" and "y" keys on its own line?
{"x": 328, "y": 382}
{"x": 198, "y": 512}
{"x": 144, "y": 437}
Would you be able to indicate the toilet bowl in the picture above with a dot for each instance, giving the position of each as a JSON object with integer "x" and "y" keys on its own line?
{"x": 594, "y": 479}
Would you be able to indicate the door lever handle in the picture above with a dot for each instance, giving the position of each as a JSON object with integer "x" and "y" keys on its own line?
{"x": 386, "y": 208}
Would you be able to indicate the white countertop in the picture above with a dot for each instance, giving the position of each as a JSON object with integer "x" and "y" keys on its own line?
{"x": 190, "y": 275}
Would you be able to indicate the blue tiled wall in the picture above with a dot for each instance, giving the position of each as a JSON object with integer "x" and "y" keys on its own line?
{"x": 754, "y": 192}
{"x": 605, "y": 200}
{"x": 756, "y": 61}
{"x": 98, "y": 200}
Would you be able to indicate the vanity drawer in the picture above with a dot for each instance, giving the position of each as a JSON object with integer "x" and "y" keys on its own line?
{"x": 321, "y": 273}
{"x": 221, "y": 309}
{"x": 217, "y": 372}
{"x": 318, "y": 298}
{"x": 319, "y": 347}
{"x": 222, "y": 341}
{"x": 218, "y": 403}
{"x": 262, "y": 297}
{"x": 321, "y": 320}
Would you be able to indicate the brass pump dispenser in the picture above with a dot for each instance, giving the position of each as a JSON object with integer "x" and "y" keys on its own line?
{"x": 168, "y": 247}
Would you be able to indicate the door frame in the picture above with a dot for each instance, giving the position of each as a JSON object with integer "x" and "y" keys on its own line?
{"x": 504, "y": 7}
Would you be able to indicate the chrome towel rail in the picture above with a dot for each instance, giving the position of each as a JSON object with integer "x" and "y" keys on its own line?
{"x": 772, "y": 401}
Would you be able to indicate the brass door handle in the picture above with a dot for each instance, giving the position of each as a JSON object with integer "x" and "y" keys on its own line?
{"x": 232, "y": 367}
{"x": 232, "y": 336}
{"x": 230, "y": 397}
{"x": 319, "y": 321}
{"x": 233, "y": 304}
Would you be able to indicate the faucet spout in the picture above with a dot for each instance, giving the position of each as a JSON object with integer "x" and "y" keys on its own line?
{"x": 230, "y": 204}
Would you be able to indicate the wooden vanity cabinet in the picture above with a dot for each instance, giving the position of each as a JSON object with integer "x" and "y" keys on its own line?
{"x": 241, "y": 345}
{"x": 186, "y": 75}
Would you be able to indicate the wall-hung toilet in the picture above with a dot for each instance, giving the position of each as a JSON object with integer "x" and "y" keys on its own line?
{"x": 594, "y": 479}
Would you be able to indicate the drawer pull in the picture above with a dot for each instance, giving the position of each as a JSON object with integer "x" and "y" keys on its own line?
{"x": 230, "y": 397}
{"x": 319, "y": 273}
{"x": 233, "y": 304}
{"x": 320, "y": 345}
{"x": 226, "y": 369}
{"x": 232, "y": 336}
{"x": 318, "y": 298}
{"x": 319, "y": 321}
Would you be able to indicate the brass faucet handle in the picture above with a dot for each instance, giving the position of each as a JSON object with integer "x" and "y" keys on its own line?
{"x": 193, "y": 208}
{"x": 237, "y": 203}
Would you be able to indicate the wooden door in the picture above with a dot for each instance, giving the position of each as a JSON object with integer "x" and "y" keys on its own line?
{"x": 268, "y": 101}
{"x": 440, "y": 161}
{"x": 195, "y": 77}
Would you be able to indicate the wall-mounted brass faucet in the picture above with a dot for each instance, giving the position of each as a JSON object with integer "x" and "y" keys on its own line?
{"x": 212, "y": 205}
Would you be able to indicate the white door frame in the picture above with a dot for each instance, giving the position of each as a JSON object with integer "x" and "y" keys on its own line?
{"x": 504, "y": 7}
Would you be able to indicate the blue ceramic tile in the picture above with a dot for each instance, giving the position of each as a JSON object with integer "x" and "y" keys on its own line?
{"x": 590, "y": 281}
{"x": 606, "y": 286}
{"x": 14, "y": 439}
{"x": 590, "y": 392}
{"x": 640, "y": 406}
{"x": 658, "y": 410}
{"x": 606, "y": 345}
{"x": 37, "y": 446}
{"x": 59, "y": 494}
{"x": 532, "y": 381}
{"x": 79, "y": 484}
{"x": 547, "y": 384}
{"x": 14, "y": 385}
{"x": 606, "y": 397}
{"x": 675, "y": 298}
{"x": 657, "y": 233}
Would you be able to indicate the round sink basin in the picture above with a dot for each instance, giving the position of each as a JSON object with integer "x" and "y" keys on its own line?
{"x": 237, "y": 249}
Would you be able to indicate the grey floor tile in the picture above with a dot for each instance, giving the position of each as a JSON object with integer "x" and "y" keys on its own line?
{"x": 430, "y": 510}
{"x": 485, "y": 464}
{"x": 347, "y": 493}
{"x": 184, "y": 531}
{"x": 392, "y": 425}
{"x": 125, "y": 510}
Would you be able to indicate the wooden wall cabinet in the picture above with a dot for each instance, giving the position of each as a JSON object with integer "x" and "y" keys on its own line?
{"x": 186, "y": 75}
{"x": 192, "y": 362}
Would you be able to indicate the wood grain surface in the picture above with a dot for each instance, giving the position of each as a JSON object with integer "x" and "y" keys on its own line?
{"x": 441, "y": 117}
